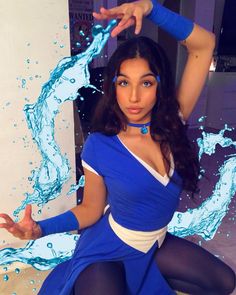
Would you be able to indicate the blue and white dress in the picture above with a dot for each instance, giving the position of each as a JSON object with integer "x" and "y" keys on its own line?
{"x": 141, "y": 204}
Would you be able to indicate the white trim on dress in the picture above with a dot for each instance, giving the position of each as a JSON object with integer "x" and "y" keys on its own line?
{"x": 163, "y": 179}
{"x": 85, "y": 165}
{"x": 139, "y": 240}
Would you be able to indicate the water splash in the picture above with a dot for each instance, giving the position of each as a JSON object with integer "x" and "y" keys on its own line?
{"x": 208, "y": 142}
{"x": 66, "y": 79}
{"x": 205, "y": 220}
{"x": 74, "y": 187}
{"x": 42, "y": 254}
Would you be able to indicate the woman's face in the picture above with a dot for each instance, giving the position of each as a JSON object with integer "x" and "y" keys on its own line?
{"x": 136, "y": 88}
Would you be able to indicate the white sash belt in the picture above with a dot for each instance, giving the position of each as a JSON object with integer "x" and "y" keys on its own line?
{"x": 139, "y": 240}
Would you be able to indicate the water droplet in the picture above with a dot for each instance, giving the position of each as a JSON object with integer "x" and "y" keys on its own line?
{"x": 201, "y": 119}
{"x": 23, "y": 83}
{"x": 5, "y": 278}
{"x": 17, "y": 270}
{"x": 81, "y": 33}
{"x": 96, "y": 30}
{"x": 113, "y": 22}
{"x": 49, "y": 245}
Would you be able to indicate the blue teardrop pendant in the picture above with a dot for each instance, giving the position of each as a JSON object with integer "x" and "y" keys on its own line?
{"x": 144, "y": 130}
{"x": 143, "y": 127}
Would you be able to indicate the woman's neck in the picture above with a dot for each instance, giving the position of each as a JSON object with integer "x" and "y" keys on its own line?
{"x": 142, "y": 128}
{"x": 134, "y": 132}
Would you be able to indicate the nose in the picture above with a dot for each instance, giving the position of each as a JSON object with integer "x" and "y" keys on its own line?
{"x": 134, "y": 95}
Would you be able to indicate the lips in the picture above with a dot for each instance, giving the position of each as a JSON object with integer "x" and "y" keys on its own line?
{"x": 134, "y": 110}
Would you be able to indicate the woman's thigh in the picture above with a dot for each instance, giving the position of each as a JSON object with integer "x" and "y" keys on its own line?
{"x": 190, "y": 268}
{"x": 101, "y": 278}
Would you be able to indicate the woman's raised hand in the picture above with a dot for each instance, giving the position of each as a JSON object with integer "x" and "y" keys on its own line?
{"x": 129, "y": 13}
{"x": 26, "y": 229}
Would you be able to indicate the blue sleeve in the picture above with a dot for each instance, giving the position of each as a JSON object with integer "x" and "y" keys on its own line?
{"x": 176, "y": 25}
{"x": 89, "y": 153}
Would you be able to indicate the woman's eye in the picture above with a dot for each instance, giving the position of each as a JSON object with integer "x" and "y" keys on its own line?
{"x": 125, "y": 83}
{"x": 147, "y": 83}
{"x": 122, "y": 83}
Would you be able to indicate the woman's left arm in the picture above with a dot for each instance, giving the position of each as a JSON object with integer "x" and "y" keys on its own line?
{"x": 200, "y": 45}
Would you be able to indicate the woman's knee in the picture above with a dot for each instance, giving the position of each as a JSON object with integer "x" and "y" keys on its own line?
{"x": 221, "y": 281}
{"x": 195, "y": 265}
{"x": 227, "y": 282}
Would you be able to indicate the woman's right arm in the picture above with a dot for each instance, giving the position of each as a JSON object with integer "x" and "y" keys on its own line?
{"x": 94, "y": 200}
{"x": 82, "y": 216}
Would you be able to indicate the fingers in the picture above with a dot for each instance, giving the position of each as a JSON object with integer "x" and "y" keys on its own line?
{"x": 14, "y": 228}
{"x": 123, "y": 11}
{"x": 138, "y": 17}
{"x": 125, "y": 18}
{"x": 28, "y": 212}
{"x": 99, "y": 16}
{"x": 107, "y": 14}
{"x": 119, "y": 29}
{"x": 8, "y": 221}
{"x": 111, "y": 11}
{"x": 129, "y": 15}
{"x": 127, "y": 22}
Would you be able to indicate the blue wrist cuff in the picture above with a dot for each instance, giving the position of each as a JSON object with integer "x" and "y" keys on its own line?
{"x": 173, "y": 23}
{"x": 59, "y": 224}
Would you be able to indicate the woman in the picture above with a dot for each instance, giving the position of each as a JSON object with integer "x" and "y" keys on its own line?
{"x": 138, "y": 159}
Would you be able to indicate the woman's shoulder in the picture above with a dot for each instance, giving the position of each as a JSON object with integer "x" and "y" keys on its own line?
{"x": 96, "y": 145}
{"x": 98, "y": 137}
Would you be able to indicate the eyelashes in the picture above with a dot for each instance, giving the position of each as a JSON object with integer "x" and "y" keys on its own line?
{"x": 122, "y": 82}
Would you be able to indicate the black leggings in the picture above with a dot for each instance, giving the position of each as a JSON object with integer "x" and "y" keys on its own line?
{"x": 186, "y": 267}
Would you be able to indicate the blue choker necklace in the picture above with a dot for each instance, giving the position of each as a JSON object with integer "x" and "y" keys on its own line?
{"x": 143, "y": 127}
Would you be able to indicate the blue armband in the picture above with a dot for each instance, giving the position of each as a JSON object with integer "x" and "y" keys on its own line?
{"x": 173, "y": 23}
{"x": 59, "y": 224}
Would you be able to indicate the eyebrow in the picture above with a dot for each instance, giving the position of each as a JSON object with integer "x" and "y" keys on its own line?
{"x": 143, "y": 76}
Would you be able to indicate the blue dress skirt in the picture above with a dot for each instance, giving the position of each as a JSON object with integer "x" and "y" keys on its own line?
{"x": 138, "y": 201}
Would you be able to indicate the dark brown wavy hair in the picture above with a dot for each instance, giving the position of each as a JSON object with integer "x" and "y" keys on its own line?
{"x": 166, "y": 124}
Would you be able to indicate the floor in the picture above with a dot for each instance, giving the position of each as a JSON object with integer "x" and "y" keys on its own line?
{"x": 27, "y": 282}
